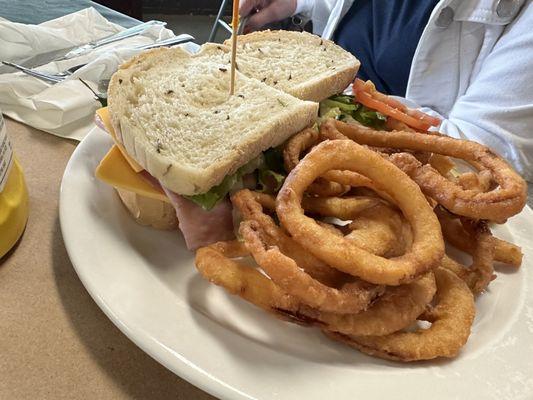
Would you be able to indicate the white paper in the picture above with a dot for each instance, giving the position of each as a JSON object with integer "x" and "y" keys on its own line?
{"x": 67, "y": 108}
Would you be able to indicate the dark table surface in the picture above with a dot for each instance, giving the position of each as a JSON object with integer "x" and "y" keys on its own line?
{"x": 38, "y": 11}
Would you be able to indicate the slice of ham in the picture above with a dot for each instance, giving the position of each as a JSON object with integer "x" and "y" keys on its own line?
{"x": 201, "y": 227}
{"x": 151, "y": 180}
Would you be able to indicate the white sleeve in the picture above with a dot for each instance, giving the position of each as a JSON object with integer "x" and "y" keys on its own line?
{"x": 497, "y": 107}
{"x": 304, "y": 7}
{"x": 325, "y": 14}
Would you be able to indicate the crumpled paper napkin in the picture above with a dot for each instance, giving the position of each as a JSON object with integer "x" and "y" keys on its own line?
{"x": 67, "y": 108}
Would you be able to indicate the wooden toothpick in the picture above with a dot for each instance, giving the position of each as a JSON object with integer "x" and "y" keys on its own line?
{"x": 234, "y": 26}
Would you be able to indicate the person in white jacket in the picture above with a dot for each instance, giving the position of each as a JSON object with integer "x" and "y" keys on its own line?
{"x": 468, "y": 61}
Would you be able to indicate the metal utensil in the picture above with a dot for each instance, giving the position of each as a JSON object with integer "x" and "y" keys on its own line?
{"x": 242, "y": 24}
{"x": 61, "y": 76}
{"x": 69, "y": 71}
{"x": 183, "y": 38}
{"x": 50, "y": 78}
{"x": 61, "y": 54}
{"x": 126, "y": 33}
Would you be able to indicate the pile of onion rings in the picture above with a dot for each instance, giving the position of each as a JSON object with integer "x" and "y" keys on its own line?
{"x": 354, "y": 241}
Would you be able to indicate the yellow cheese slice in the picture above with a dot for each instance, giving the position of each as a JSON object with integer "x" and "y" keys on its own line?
{"x": 115, "y": 170}
{"x": 103, "y": 113}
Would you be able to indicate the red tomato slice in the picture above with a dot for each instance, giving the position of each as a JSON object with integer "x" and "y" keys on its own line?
{"x": 367, "y": 95}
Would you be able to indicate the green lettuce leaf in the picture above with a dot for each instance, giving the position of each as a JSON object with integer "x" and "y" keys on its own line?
{"x": 273, "y": 160}
{"x": 271, "y": 174}
{"x": 270, "y": 181}
{"x": 344, "y": 108}
{"x": 211, "y": 198}
{"x": 370, "y": 118}
{"x": 341, "y": 105}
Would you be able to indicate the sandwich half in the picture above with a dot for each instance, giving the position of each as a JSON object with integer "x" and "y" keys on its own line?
{"x": 181, "y": 141}
{"x": 299, "y": 63}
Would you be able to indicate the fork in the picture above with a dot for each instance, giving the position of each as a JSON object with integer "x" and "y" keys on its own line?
{"x": 51, "y": 78}
{"x": 61, "y": 76}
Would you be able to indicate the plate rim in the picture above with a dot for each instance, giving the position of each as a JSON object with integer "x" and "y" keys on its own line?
{"x": 195, "y": 376}
{"x": 185, "y": 372}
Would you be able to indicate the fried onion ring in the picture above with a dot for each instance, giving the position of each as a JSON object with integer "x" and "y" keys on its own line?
{"x": 332, "y": 183}
{"x": 381, "y": 230}
{"x": 481, "y": 271}
{"x": 451, "y": 321}
{"x": 480, "y": 182}
{"x": 352, "y": 297}
{"x": 496, "y": 205}
{"x": 396, "y": 309}
{"x": 376, "y": 227}
{"x": 299, "y": 144}
{"x": 215, "y": 263}
{"x": 455, "y": 233}
{"x": 344, "y": 208}
{"x": 476, "y": 278}
{"x": 250, "y": 205}
{"x": 324, "y": 188}
{"x": 428, "y": 246}
{"x": 442, "y": 164}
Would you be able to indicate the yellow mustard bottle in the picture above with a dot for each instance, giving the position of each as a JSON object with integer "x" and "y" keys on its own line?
{"x": 13, "y": 195}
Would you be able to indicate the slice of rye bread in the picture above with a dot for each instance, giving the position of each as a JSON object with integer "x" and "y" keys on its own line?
{"x": 299, "y": 63}
{"x": 173, "y": 113}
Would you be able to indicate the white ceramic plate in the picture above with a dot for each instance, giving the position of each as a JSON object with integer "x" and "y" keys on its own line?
{"x": 146, "y": 283}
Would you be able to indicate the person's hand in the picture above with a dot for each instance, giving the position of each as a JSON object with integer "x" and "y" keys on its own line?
{"x": 266, "y": 11}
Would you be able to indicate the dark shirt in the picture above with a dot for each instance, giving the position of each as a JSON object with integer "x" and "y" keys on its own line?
{"x": 383, "y": 35}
